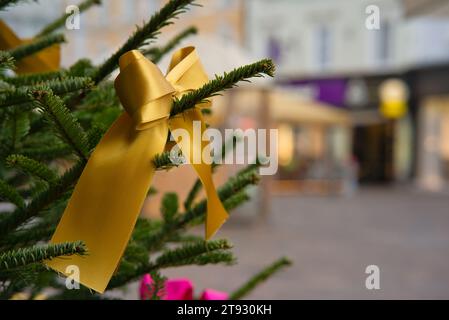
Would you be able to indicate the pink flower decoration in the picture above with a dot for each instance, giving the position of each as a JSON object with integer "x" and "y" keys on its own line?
{"x": 178, "y": 289}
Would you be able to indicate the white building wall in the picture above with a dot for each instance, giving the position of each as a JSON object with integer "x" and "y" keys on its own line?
{"x": 294, "y": 25}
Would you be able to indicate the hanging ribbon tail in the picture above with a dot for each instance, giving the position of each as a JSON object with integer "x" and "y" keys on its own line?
{"x": 192, "y": 150}
{"x": 186, "y": 73}
{"x": 45, "y": 60}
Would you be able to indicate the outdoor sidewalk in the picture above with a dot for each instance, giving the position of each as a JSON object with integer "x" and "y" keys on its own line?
{"x": 331, "y": 240}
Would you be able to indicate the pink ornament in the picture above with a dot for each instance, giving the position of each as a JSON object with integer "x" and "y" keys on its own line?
{"x": 177, "y": 289}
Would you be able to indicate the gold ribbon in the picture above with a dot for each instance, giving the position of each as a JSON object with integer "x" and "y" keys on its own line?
{"x": 111, "y": 190}
{"x": 42, "y": 61}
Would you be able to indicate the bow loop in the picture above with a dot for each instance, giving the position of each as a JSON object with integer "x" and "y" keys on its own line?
{"x": 143, "y": 91}
{"x": 186, "y": 73}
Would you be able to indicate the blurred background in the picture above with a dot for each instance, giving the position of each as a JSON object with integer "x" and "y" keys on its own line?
{"x": 361, "y": 104}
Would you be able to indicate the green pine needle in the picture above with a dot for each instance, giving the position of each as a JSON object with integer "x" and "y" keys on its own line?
{"x": 144, "y": 34}
{"x": 176, "y": 257}
{"x": 32, "y": 167}
{"x": 21, "y": 94}
{"x": 156, "y": 54}
{"x": 230, "y": 189}
{"x": 20, "y": 126}
{"x": 169, "y": 206}
{"x": 42, "y": 201}
{"x": 4, "y": 4}
{"x": 35, "y": 46}
{"x": 221, "y": 83}
{"x": 10, "y": 194}
{"x": 65, "y": 124}
{"x": 31, "y": 79}
{"x": 6, "y": 61}
{"x": 200, "y": 253}
{"x": 259, "y": 278}
{"x": 25, "y": 256}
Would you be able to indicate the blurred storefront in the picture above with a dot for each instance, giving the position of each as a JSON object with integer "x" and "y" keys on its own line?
{"x": 431, "y": 96}
{"x": 314, "y": 138}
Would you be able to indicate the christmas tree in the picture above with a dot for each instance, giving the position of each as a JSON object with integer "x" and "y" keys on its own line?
{"x": 52, "y": 121}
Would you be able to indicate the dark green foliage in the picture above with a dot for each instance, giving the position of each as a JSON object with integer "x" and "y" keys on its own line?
{"x": 169, "y": 206}
{"x": 157, "y": 288}
{"x": 221, "y": 83}
{"x": 10, "y": 194}
{"x": 189, "y": 251}
{"x": 21, "y": 95}
{"x": 144, "y": 34}
{"x": 6, "y": 61}
{"x": 32, "y": 167}
{"x": 31, "y": 79}
{"x": 41, "y": 201}
{"x": 65, "y": 124}
{"x": 36, "y": 45}
{"x": 22, "y": 257}
{"x": 260, "y": 277}
{"x": 4, "y": 4}
{"x": 156, "y": 54}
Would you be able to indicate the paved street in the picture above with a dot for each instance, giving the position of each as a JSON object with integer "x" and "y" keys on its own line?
{"x": 331, "y": 241}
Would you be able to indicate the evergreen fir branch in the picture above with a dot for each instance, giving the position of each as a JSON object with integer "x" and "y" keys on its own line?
{"x": 4, "y": 4}
{"x": 260, "y": 278}
{"x": 144, "y": 34}
{"x": 27, "y": 236}
{"x": 220, "y": 83}
{"x": 60, "y": 22}
{"x": 225, "y": 192}
{"x": 194, "y": 191}
{"x": 25, "y": 256}
{"x": 229, "y": 191}
{"x": 47, "y": 152}
{"x": 176, "y": 257}
{"x": 162, "y": 161}
{"x": 35, "y": 46}
{"x": 65, "y": 124}
{"x": 20, "y": 126}
{"x": 94, "y": 136}
{"x": 169, "y": 206}
{"x": 157, "y": 287}
{"x": 135, "y": 256}
{"x": 186, "y": 254}
{"x": 178, "y": 238}
{"x": 81, "y": 68}
{"x": 156, "y": 54}
{"x": 10, "y": 194}
{"x": 236, "y": 200}
{"x": 31, "y": 79}
{"x": 59, "y": 87}
{"x": 6, "y": 61}
{"x": 39, "y": 203}
{"x": 218, "y": 257}
{"x": 144, "y": 227}
{"x": 32, "y": 167}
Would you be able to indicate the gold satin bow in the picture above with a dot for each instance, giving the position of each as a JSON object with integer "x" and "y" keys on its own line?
{"x": 111, "y": 190}
{"x": 42, "y": 61}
